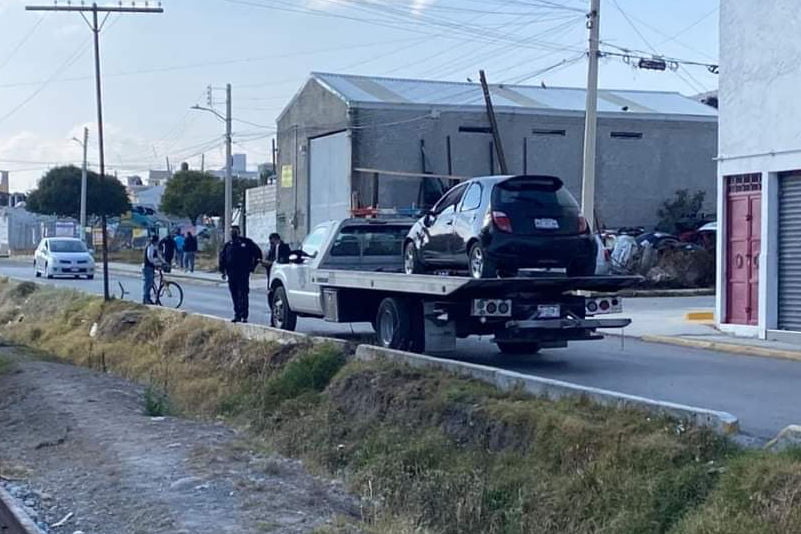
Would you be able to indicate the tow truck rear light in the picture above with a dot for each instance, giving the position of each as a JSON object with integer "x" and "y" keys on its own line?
{"x": 602, "y": 305}
{"x": 491, "y": 308}
{"x": 502, "y": 221}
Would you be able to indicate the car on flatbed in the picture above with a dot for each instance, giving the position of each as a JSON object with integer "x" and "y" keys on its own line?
{"x": 352, "y": 271}
{"x": 497, "y": 225}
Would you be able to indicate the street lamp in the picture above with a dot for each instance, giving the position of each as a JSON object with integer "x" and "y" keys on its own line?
{"x": 228, "y": 179}
{"x": 83, "y": 182}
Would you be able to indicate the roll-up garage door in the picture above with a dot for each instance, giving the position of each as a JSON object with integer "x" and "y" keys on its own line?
{"x": 790, "y": 252}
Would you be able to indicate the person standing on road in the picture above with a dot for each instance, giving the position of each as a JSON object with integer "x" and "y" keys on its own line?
{"x": 279, "y": 253}
{"x": 238, "y": 258}
{"x": 179, "y": 249}
{"x": 167, "y": 249}
{"x": 190, "y": 250}
{"x": 151, "y": 261}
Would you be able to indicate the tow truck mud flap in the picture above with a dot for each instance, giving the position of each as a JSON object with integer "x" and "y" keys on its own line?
{"x": 440, "y": 329}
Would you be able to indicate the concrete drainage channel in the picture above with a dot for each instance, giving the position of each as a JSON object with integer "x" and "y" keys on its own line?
{"x": 13, "y": 520}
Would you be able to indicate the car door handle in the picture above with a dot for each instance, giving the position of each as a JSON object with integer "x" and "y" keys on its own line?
{"x": 449, "y": 223}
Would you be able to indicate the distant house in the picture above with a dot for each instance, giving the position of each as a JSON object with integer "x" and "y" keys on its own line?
{"x": 348, "y": 142}
{"x": 759, "y": 171}
{"x": 158, "y": 178}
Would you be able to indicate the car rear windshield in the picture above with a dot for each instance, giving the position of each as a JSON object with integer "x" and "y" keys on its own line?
{"x": 65, "y": 245}
{"x": 532, "y": 192}
{"x": 370, "y": 240}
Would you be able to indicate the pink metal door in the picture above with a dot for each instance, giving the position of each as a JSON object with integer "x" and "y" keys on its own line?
{"x": 743, "y": 230}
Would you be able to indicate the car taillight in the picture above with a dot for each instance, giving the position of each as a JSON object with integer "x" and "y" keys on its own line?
{"x": 502, "y": 221}
{"x": 583, "y": 225}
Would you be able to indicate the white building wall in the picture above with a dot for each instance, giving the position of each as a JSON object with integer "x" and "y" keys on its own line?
{"x": 759, "y": 118}
{"x": 260, "y": 213}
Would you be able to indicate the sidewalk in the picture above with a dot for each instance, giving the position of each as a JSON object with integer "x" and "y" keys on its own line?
{"x": 662, "y": 320}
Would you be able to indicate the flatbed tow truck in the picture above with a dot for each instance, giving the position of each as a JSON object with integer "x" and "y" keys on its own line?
{"x": 350, "y": 271}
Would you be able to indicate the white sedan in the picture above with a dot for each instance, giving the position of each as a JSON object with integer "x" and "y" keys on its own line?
{"x": 63, "y": 256}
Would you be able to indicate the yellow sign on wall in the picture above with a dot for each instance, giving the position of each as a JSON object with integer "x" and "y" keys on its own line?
{"x": 286, "y": 176}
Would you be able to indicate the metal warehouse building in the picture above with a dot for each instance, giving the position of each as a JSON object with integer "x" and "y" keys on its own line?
{"x": 347, "y": 142}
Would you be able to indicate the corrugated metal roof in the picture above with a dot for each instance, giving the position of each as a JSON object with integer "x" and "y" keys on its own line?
{"x": 376, "y": 91}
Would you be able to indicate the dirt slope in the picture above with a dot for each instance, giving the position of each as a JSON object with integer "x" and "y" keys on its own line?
{"x": 74, "y": 440}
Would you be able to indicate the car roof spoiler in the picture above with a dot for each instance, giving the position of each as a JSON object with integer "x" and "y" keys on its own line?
{"x": 538, "y": 181}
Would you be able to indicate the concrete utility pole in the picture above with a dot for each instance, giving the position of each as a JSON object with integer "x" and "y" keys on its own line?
{"x": 83, "y": 182}
{"x": 591, "y": 117}
{"x": 228, "y": 179}
{"x": 96, "y": 28}
{"x": 228, "y": 174}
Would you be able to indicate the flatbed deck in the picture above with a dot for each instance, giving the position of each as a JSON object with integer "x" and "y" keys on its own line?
{"x": 458, "y": 286}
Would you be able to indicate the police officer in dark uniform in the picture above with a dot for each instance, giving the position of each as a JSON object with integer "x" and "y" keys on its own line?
{"x": 238, "y": 258}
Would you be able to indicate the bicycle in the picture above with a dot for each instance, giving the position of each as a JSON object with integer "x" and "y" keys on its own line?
{"x": 166, "y": 292}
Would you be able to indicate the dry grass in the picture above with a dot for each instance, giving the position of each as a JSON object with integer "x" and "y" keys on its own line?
{"x": 429, "y": 452}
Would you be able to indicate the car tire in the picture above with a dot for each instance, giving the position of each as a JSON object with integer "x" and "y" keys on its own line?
{"x": 479, "y": 265}
{"x": 396, "y": 325}
{"x": 36, "y": 272}
{"x": 517, "y": 349}
{"x": 411, "y": 259}
{"x": 282, "y": 316}
{"x": 48, "y": 274}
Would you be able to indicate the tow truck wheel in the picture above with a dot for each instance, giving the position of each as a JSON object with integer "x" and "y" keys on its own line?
{"x": 282, "y": 316}
{"x": 518, "y": 348}
{"x": 394, "y": 327}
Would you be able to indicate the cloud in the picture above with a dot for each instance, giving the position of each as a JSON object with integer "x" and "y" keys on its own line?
{"x": 416, "y": 7}
{"x": 28, "y": 155}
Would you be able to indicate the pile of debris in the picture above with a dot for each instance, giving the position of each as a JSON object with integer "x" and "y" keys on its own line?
{"x": 665, "y": 260}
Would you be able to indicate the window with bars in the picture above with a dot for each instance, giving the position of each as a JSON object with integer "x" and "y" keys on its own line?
{"x": 742, "y": 183}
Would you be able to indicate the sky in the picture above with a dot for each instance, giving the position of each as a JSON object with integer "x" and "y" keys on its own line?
{"x": 156, "y": 66}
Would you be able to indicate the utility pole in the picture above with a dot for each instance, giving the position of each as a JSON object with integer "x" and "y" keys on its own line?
{"x": 83, "y": 185}
{"x": 591, "y": 117}
{"x": 228, "y": 179}
{"x": 96, "y": 28}
{"x": 228, "y": 174}
{"x": 496, "y": 135}
{"x": 83, "y": 182}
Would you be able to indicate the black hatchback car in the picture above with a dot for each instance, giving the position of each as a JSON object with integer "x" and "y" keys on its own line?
{"x": 494, "y": 225}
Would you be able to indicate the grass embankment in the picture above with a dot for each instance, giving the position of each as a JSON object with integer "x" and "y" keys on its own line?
{"x": 429, "y": 451}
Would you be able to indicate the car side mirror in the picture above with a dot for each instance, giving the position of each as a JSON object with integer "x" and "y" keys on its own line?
{"x": 429, "y": 218}
{"x": 297, "y": 256}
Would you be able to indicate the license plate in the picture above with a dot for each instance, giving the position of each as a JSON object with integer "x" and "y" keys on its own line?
{"x": 72, "y": 270}
{"x": 546, "y": 224}
{"x": 548, "y": 311}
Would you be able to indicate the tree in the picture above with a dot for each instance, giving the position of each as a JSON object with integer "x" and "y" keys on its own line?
{"x": 191, "y": 194}
{"x": 59, "y": 193}
{"x": 682, "y": 212}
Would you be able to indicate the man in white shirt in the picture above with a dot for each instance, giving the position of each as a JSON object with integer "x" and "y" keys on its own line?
{"x": 151, "y": 261}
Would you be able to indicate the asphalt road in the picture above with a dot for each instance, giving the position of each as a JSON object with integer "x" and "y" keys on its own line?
{"x": 764, "y": 393}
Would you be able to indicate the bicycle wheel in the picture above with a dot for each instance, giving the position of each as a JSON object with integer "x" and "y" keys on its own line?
{"x": 171, "y": 295}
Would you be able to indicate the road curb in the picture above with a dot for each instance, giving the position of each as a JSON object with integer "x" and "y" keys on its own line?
{"x": 699, "y": 316}
{"x": 13, "y": 518}
{"x": 721, "y": 422}
{"x": 744, "y": 350}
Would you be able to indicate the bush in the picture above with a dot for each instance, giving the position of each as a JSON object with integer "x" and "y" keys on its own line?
{"x": 682, "y": 213}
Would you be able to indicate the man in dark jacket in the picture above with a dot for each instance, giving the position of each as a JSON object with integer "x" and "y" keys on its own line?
{"x": 190, "y": 250}
{"x": 167, "y": 249}
{"x": 278, "y": 253}
{"x": 238, "y": 258}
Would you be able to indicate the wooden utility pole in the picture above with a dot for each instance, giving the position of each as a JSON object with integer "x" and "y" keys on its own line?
{"x": 496, "y": 135}
{"x": 96, "y": 28}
